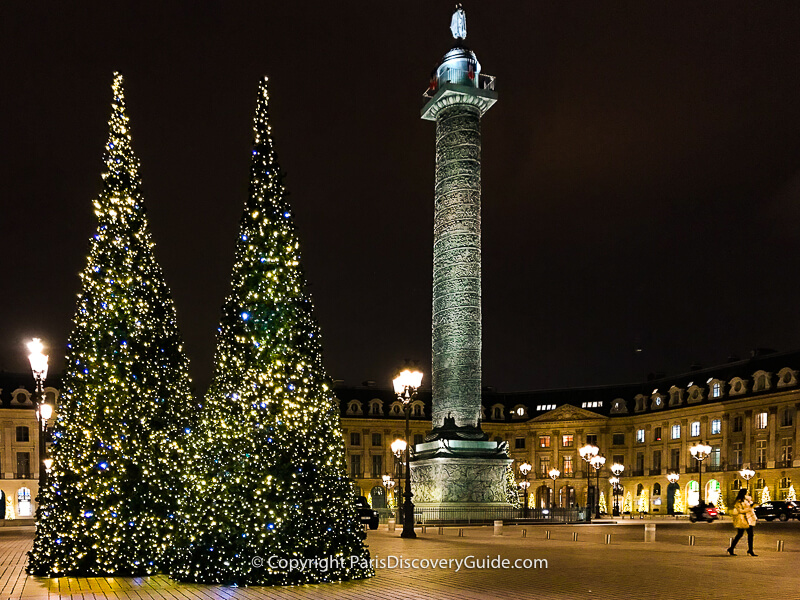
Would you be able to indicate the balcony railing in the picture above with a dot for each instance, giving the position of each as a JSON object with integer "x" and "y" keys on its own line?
{"x": 23, "y": 475}
{"x": 783, "y": 464}
{"x": 655, "y": 471}
{"x": 692, "y": 469}
{"x": 460, "y": 77}
{"x": 713, "y": 468}
{"x": 735, "y": 467}
{"x": 637, "y": 473}
{"x": 758, "y": 465}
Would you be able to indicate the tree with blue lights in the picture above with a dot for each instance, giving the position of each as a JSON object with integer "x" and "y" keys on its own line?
{"x": 266, "y": 480}
{"x": 109, "y": 506}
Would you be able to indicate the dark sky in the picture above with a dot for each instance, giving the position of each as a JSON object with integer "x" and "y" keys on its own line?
{"x": 641, "y": 172}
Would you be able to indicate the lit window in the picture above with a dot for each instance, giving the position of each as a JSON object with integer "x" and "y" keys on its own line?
{"x": 24, "y": 502}
{"x": 676, "y": 432}
{"x": 520, "y": 412}
{"x": 566, "y": 440}
{"x": 761, "y": 420}
{"x": 716, "y": 390}
{"x": 567, "y": 469}
{"x": 695, "y": 431}
{"x": 716, "y": 426}
{"x": 544, "y": 441}
{"x": 640, "y": 436}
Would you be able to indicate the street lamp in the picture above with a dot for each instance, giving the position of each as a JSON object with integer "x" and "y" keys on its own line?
{"x": 405, "y": 386}
{"x": 700, "y": 451}
{"x": 597, "y": 463}
{"x": 398, "y": 448}
{"x": 554, "y": 474}
{"x": 747, "y": 475}
{"x": 588, "y": 452}
{"x": 44, "y": 411}
{"x": 617, "y": 470}
{"x": 673, "y": 480}
{"x": 388, "y": 483}
{"x": 524, "y": 469}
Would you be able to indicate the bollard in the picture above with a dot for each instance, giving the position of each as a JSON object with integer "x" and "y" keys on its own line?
{"x": 574, "y": 536}
{"x": 460, "y": 533}
{"x": 731, "y": 544}
{"x": 441, "y": 530}
{"x": 391, "y": 524}
{"x": 691, "y": 540}
{"x": 498, "y": 528}
{"x": 649, "y": 532}
{"x": 608, "y": 538}
{"x": 524, "y": 533}
{"x": 547, "y": 534}
{"x": 424, "y": 529}
{"x": 780, "y": 546}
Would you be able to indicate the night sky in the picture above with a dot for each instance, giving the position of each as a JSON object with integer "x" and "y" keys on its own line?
{"x": 641, "y": 173}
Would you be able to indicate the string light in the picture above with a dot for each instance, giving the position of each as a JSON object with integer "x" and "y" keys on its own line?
{"x": 109, "y": 504}
{"x": 266, "y": 476}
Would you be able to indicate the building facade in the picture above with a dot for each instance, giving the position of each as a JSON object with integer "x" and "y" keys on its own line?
{"x": 745, "y": 410}
{"x": 19, "y": 445}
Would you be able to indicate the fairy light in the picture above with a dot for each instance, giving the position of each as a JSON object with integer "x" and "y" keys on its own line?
{"x": 111, "y": 499}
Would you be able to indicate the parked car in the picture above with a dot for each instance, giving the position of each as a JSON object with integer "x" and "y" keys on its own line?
{"x": 703, "y": 512}
{"x": 778, "y": 509}
{"x": 366, "y": 515}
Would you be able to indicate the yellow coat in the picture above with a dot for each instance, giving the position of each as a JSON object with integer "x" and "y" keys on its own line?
{"x": 743, "y": 515}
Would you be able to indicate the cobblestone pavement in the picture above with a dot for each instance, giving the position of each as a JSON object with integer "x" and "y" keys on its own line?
{"x": 587, "y": 568}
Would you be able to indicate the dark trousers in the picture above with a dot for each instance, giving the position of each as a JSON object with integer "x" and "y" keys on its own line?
{"x": 739, "y": 534}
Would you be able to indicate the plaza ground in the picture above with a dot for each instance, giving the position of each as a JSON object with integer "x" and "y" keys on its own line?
{"x": 626, "y": 568}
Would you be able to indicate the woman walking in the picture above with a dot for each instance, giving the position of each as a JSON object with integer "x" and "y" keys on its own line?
{"x": 744, "y": 518}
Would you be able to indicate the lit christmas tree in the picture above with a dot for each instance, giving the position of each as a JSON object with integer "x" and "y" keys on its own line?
{"x": 627, "y": 504}
{"x": 643, "y": 503}
{"x": 791, "y": 495}
{"x": 9, "y": 508}
{"x": 512, "y": 489}
{"x": 109, "y": 506}
{"x": 267, "y": 477}
{"x": 603, "y": 505}
{"x": 678, "y": 507}
{"x": 765, "y": 496}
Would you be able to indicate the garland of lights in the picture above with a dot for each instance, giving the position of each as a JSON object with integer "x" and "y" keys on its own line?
{"x": 266, "y": 479}
{"x": 110, "y": 500}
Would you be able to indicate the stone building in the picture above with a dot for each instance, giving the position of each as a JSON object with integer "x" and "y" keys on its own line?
{"x": 19, "y": 445}
{"x": 745, "y": 410}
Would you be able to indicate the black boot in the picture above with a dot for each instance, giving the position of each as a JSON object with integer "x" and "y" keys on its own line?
{"x": 730, "y": 551}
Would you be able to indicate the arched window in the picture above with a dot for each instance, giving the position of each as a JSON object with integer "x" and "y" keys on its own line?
{"x": 639, "y": 489}
{"x": 786, "y": 482}
{"x": 692, "y": 493}
{"x": 760, "y": 484}
{"x": 417, "y": 410}
{"x": 498, "y": 413}
{"x": 24, "y": 502}
{"x": 656, "y": 489}
{"x": 736, "y": 485}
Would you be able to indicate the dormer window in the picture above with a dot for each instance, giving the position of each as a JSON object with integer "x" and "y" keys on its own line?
{"x": 354, "y": 408}
{"x": 497, "y": 412}
{"x": 656, "y": 401}
{"x": 761, "y": 381}
{"x": 675, "y": 396}
{"x": 519, "y": 412}
{"x": 618, "y": 406}
{"x": 695, "y": 394}
{"x": 716, "y": 388}
{"x": 738, "y": 386}
{"x": 641, "y": 402}
{"x": 787, "y": 377}
{"x": 418, "y": 410}
{"x": 376, "y": 407}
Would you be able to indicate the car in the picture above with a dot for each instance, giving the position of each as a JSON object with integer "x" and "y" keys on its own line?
{"x": 366, "y": 515}
{"x": 778, "y": 509}
{"x": 703, "y": 512}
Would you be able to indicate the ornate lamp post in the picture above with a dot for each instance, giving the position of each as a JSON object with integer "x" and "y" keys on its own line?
{"x": 588, "y": 452}
{"x": 554, "y": 474}
{"x": 617, "y": 470}
{"x": 597, "y": 463}
{"x": 405, "y": 386}
{"x": 398, "y": 448}
{"x": 524, "y": 469}
{"x": 747, "y": 475}
{"x": 43, "y": 410}
{"x": 388, "y": 483}
{"x": 673, "y": 479}
{"x": 700, "y": 452}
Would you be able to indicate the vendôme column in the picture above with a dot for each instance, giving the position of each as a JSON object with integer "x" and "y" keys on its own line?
{"x": 457, "y": 464}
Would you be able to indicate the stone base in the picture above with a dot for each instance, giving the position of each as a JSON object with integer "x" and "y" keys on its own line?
{"x": 454, "y": 472}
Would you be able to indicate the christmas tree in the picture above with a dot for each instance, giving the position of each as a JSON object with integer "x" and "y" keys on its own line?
{"x": 9, "y": 508}
{"x": 791, "y": 495}
{"x": 678, "y": 506}
{"x": 512, "y": 493}
{"x": 267, "y": 477}
{"x": 627, "y": 504}
{"x": 644, "y": 502}
{"x": 765, "y": 496}
{"x": 109, "y": 506}
{"x": 603, "y": 505}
